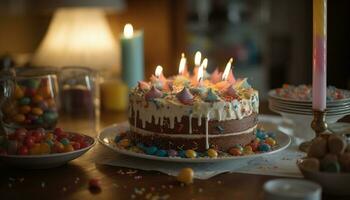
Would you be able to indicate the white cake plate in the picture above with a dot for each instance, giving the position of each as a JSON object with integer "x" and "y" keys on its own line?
{"x": 45, "y": 161}
{"x": 107, "y": 135}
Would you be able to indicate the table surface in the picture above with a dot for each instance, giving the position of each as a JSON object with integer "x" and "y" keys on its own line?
{"x": 71, "y": 180}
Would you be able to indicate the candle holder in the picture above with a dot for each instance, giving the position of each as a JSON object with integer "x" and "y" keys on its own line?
{"x": 319, "y": 125}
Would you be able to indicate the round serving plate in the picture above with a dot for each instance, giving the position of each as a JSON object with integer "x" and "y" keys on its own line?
{"x": 47, "y": 160}
{"x": 108, "y": 134}
{"x": 272, "y": 94}
{"x": 304, "y": 112}
{"x": 306, "y": 107}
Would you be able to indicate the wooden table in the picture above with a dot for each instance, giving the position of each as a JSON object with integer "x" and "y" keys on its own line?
{"x": 71, "y": 181}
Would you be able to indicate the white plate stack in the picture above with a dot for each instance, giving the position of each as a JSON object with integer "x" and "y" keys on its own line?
{"x": 300, "y": 111}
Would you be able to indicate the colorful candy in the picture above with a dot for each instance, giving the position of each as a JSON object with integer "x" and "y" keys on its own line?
{"x": 37, "y": 142}
{"x": 264, "y": 147}
{"x": 261, "y": 135}
{"x": 45, "y": 148}
{"x": 304, "y": 93}
{"x": 172, "y": 153}
{"x": 212, "y": 153}
{"x": 161, "y": 153}
{"x": 124, "y": 143}
{"x": 256, "y": 146}
{"x": 191, "y": 153}
{"x": 185, "y": 176}
{"x": 235, "y": 151}
{"x": 33, "y": 105}
{"x": 247, "y": 150}
{"x": 151, "y": 150}
{"x": 270, "y": 141}
{"x": 68, "y": 148}
{"x": 19, "y": 118}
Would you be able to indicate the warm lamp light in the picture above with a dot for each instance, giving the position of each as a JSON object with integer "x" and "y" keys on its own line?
{"x": 78, "y": 37}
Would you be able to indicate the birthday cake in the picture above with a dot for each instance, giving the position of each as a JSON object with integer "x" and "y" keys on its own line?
{"x": 193, "y": 112}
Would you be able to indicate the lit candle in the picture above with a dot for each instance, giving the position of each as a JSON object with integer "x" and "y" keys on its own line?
{"x": 227, "y": 70}
{"x": 159, "y": 71}
{"x": 132, "y": 56}
{"x": 319, "y": 75}
{"x": 200, "y": 74}
{"x": 182, "y": 65}
{"x": 227, "y": 77}
{"x": 197, "y": 63}
{"x": 158, "y": 79}
{"x": 197, "y": 59}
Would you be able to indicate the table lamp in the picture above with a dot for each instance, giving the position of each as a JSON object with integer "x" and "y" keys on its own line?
{"x": 78, "y": 37}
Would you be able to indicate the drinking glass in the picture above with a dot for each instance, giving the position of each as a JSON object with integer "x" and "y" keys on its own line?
{"x": 79, "y": 95}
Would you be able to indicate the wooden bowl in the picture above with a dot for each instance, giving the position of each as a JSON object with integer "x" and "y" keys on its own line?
{"x": 332, "y": 183}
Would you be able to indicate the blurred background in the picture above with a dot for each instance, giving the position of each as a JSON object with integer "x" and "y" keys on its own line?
{"x": 270, "y": 40}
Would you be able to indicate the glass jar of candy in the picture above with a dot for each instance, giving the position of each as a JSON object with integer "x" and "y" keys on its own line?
{"x": 34, "y": 103}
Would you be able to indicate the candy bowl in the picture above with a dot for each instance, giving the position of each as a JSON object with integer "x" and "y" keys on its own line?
{"x": 332, "y": 183}
{"x": 34, "y": 102}
{"x": 52, "y": 150}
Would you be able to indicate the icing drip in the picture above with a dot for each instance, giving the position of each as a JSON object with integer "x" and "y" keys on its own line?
{"x": 190, "y": 124}
{"x": 135, "y": 117}
{"x": 207, "y": 132}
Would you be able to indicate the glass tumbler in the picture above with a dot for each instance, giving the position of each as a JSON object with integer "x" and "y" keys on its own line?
{"x": 79, "y": 99}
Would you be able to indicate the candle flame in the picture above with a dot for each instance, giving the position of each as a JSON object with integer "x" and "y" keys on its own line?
{"x": 182, "y": 64}
{"x": 227, "y": 70}
{"x": 128, "y": 31}
{"x": 197, "y": 58}
{"x": 159, "y": 70}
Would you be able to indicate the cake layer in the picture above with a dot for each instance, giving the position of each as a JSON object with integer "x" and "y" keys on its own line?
{"x": 198, "y": 142}
{"x": 183, "y": 126}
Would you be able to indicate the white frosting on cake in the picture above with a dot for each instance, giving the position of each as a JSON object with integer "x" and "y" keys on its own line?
{"x": 168, "y": 107}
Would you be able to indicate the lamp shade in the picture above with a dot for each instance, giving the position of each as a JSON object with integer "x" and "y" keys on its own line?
{"x": 78, "y": 37}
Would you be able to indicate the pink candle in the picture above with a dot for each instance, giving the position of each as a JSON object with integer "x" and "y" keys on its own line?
{"x": 319, "y": 78}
